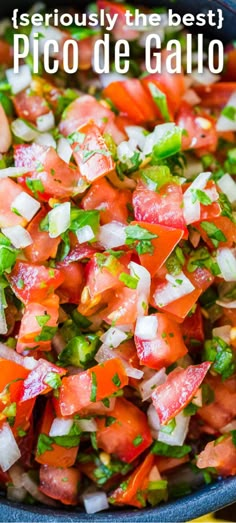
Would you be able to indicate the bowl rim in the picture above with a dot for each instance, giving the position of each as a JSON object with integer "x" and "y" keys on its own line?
{"x": 206, "y": 499}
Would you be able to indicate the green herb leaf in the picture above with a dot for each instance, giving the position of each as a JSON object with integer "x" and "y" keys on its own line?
{"x": 93, "y": 396}
{"x": 138, "y": 440}
{"x": 160, "y": 99}
{"x": 53, "y": 379}
{"x": 201, "y": 196}
{"x": 215, "y": 234}
{"x": 229, "y": 112}
{"x": 116, "y": 380}
{"x": 44, "y": 443}
{"x": 42, "y": 320}
{"x": 129, "y": 281}
{"x": 169, "y": 427}
{"x": 46, "y": 334}
{"x": 171, "y": 451}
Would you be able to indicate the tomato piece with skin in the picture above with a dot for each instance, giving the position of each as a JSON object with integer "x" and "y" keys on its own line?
{"x": 216, "y": 95}
{"x": 167, "y": 347}
{"x": 92, "y": 155}
{"x": 121, "y": 30}
{"x": 163, "y": 245}
{"x": 226, "y": 226}
{"x": 219, "y": 455}
{"x": 122, "y": 307}
{"x": 5, "y": 137}
{"x": 30, "y": 106}
{"x": 36, "y": 383}
{"x": 6, "y": 53}
{"x": 81, "y": 390}
{"x": 164, "y": 207}
{"x": 34, "y": 283}
{"x": 192, "y": 329}
{"x": 200, "y": 129}
{"x": 9, "y": 190}
{"x": 73, "y": 280}
{"x": 119, "y": 438}
{"x": 222, "y": 410}
{"x": 136, "y": 482}
{"x": 111, "y": 202}
{"x": 58, "y": 179}
{"x": 83, "y": 109}
{"x": 32, "y": 325}
{"x": 165, "y": 464}
{"x": 178, "y": 390}
{"x": 61, "y": 484}
{"x": 43, "y": 247}
{"x": 64, "y": 456}
{"x": 131, "y": 99}
{"x": 103, "y": 276}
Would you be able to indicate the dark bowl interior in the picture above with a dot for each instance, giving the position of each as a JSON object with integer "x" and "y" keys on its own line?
{"x": 208, "y": 498}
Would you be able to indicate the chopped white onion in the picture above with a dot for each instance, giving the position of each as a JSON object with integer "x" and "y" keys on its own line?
{"x": 29, "y": 362}
{"x": 230, "y": 426}
{"x": 227, "y": 263}
{"x": 137, "y": 134}
{"x": 18, "y": 236}
{"x": 13, "y": 172}
{"x": 26, "y": 205}
{"x": 3, "y": 323}
{"x": 113, "y": 337}
{"x": 125, "y": 151}
{"x": 23, "y": 130}
{"x": 153, "y": 420}
{"x": 197, "y": 398}
{"x": 59, "y": 219}
{"x": 112, "y": 235}
{"x": 212, "y": 193}
{"x": 191, "y": 97}
{"x": 47, "y": 33}
{"x": 144, "y": 277}
{"x": 224, "y": 123}
{"x": 227, "y": 304}
{"x": 9, "y": 450}
{"x": 191, "y": 209}
{"x": 60, "y": 427}
{"x": 105, "y": 353}
{"x": 64, "y": 149}
{"x": 228, "y": 187}
{"x": 19, "y": 81}
{"x": 32, "y": 487}
{"x": 15, "y": 473}
{"x": 178, "y": 435}
{"x": 108, "y": 78}
{"x": 45, "y": 122}
{"x": 10, "y": 354}
{"x": 175, "y": 288}
{"x": 95, "y": 502}
{"x": 85, "y": 234}
{"x": 147, "y": 386}
{"x": 204, "y": 78}
{"x": 146, "y": 328}
{"x": 46, "y": 139}
{"x": 87, "y": 425}
{"x": 222, "y": 332}
{"x": 16, "y": 493}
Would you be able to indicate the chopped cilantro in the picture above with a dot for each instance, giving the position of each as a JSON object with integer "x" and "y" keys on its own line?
{"x": 53, "y": 379}
{"x": 171, "y": 451}
{"x": 129, "y": 281}
{"x": 116, "y": 380}
{"x": 44, "y": 444}
{"x": 215, "y": 234}
{"x": 46, "y": 334}
{"x": 93, "y": 396}
{"x": 138, "y": 440}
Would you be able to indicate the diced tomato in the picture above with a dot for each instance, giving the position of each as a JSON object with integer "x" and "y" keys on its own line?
{"x": 137, "y": 483}
{"x": 103, "y": 276}
{"x": 166, "y": 348}
{"x": 222, "y": 410}
{"x": 226, "y": 226}
{"x": 58, "y": 179}
{"x": 32, "y": 322}
{"x": 6, "y": 53}
{"x": 219, "y": 455}
{"x": 57, "y": 454}
{"x": 36, "y": 381}
{"x": 94, "y": 384}
{"x": 165, "y": 464}
{"x": 111, "y": 202}
{"x": 59, "y": 483}
{"x": 229, "y": 72}
{"x": 215, "y": 95}
{"x": 9, "y": 190}
{"x": 5, "y": 137}
{"x": 128, "y": 436}
{"x": 73, "y": 276}
{"x": 43, "y": 247}
{"x": 83, "y": 109}
{"x": 92, "y": 155}
{"x": 34, "y": 283}
{"x": 80, "y": 252}
{"x": 200, "y": 129}
{"x": 178, "y": 390}
{"x": 85, "y": 50}
{"x": 163, "y": 245}
{"x": 121, "y": 30}
{"x": 192, "y": 328}
{"x": 122, "y": 307}
{"x": 164, "y": 207}
{"x": 168, "y": 83}
{"x": 131, "y": 99}
{"x": 30, "y": 106}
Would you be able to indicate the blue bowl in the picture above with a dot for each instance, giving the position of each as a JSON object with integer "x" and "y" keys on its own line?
{"x": 206, "y": 499}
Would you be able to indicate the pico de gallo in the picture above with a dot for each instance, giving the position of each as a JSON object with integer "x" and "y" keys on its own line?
{"x": 117, "y": 278}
